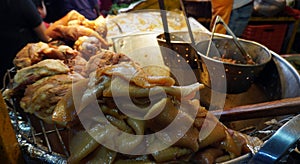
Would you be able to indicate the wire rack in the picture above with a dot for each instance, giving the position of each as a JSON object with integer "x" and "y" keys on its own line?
{"x": 39, "y": 142}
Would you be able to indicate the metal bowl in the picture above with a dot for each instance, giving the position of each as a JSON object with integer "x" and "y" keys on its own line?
{"x": 238, "y": 77}
{"x": 180, "y": 43}
{"x": 215, "y": 74}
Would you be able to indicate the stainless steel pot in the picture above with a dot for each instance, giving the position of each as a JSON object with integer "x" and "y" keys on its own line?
{"x": 239, "y": 77}
{"x": 215, "y": 74}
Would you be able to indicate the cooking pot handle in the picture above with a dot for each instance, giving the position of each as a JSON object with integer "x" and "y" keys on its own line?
{"x": 279, "y": 144}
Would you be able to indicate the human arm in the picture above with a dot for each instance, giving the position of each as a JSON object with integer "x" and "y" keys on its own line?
{"x": 40, "y": 30}
{"x": 34, "y": 20}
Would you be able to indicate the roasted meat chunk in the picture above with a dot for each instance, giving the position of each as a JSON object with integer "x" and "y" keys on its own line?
{"x": 31, "y": 74}
{"x": 73, "y": 32}
{"x": 105, "y": 58}
{"x": 33, "y": 53}
{"x": 41, "y": 97}
{"x": 74, "y": 25}
{"x": 87, "y": 46}
{"x": 62, "y": 52}
{"x": 30, "y": 54}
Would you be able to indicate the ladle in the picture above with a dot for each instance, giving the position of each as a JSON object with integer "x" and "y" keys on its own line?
{"x": 164, "y": 21}
{"x": 187, "y": 23}
{"x": 219, "y": 20}
{"x": 167, "y": 33}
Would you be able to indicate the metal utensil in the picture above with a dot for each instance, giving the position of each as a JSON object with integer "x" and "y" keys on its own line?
{"x": 279, "y": 144}
{"x": 187, "y": 23}
{"x": 239, "y": 77}
{"x": 184, "y": 50}
{"x": 164, "y": 20}
{"x": 218, "y": 20}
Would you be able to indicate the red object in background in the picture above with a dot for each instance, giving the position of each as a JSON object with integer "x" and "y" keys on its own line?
{"x": 292, "y": 12}
{"x": 271, "y": 35}
{"x": 46, "y": 24}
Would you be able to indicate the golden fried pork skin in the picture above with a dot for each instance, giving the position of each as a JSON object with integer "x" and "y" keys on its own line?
{"x": 30, "y": 54}
{"x": 29, "y": 75}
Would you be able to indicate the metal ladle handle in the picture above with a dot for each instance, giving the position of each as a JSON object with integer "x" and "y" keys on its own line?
{"x": 219, "y": 20}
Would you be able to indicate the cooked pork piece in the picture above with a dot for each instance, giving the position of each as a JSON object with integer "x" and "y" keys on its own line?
{"x": 30, "y": 54}
{"x": 29, "y": 75}
{"x": 75, "y": 18}
{"x": 98, "y": 25}
{"x": 74, "y": 25}
{"x": 87, "y": 46}
{"x": 132, "y": 72}
{"x": 33, "y": 53}
{"x": 42, "y": 96}
{"x": 73, "y": 32}
{"x": 62, "y": 52}
{"x": 105, "y": 58}
{"x": 72, "y": 16}
{"x": 78, "y": 64}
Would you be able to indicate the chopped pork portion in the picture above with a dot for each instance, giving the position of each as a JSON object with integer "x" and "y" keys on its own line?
{"x": 41, "y": 97}
{"x": 30, "y": 54}
{"x": 29, "y": 75}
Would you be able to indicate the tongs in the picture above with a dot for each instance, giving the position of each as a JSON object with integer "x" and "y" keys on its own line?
{"x": 165, "y": 22}
{"x": 219, "y": 20}
{"x": 166, "y": 29}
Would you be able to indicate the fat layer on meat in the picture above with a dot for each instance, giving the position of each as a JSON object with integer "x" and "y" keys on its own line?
{"x": 44, "y": 68}
{"x": 42, "y": 96}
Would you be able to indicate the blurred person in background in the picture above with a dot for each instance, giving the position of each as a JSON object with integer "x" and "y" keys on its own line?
{"x": 240, "y": 16}
{"x": 54, "y": 10}
{"x": 40, "y": 5}
{"x": 105, "y": 6}
{"x": 223, "y": 9}
{"x": 88, "y": 8}
{"x": 21, "y": 24}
